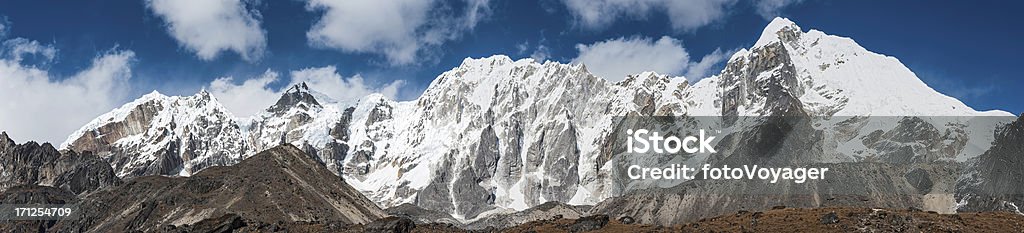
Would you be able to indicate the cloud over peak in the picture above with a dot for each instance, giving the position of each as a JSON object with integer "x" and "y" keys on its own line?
{"x": 613, "y": 59}
{"x": 256, "y": 94}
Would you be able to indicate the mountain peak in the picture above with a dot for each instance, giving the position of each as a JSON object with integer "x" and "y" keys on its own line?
{"x": 493, "y": 60}
{"x": 151, "y": 96}
{"x": 299, "y": 87}
{"x": 204, "y": 97}
{"x": 296, "y": 95}
{"x": 4, "y": 138}
{"x": 771, "y": 32}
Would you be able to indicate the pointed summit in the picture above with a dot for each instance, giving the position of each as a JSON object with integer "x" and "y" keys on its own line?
{"x": 300, "y": 87}
{"x": 771, "y": 33}
{"x": 297, "y": 95}
{"x": 203, "y": 96}
{"x": 4, "y": 139}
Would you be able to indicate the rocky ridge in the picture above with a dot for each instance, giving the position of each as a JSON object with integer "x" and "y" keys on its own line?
{"x": 279, "y": 185}
{"x": 34, "y": 164}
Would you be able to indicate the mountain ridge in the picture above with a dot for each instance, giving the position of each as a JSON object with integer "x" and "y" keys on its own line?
{"x": 532, "y": 132}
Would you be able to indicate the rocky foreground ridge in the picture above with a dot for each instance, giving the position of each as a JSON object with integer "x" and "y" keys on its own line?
{"x": 273, "y": 189}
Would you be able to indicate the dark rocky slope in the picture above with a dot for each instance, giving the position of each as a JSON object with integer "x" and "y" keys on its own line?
{"x": 274, "y": 187}
{"x": 33, "y": 194}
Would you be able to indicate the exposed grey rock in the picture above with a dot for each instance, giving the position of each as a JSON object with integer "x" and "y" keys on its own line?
{"x": 546, "y": 211}
{"x": 27, "y": 163}
{"x": 471, "y": 198}
{"x": 993, "y": 180}
{"x": 830, "y": 218}
{"x": 391, "y": 224}
{"x": 510, "y": 165}
{"x": 630, "y": 220}
{"x": 421, "y": 215}
{"x": 33, "y": 194}
{"x": 436, "y": 196}
{"x": 222, "y": 224}
{"x": 34, "y": 164}
{"x": 486, "y": 162}
{"x": 589, "y": 223}
{"x": 359, "y": 164}
{"x": 380, "y": 112}
{"x": 297, "y": 95}
{"x": 921, "y": 180}
{"x": 555, "y": 152}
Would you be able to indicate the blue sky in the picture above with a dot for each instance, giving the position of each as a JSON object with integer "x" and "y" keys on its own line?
{"x": 966, "y": 49}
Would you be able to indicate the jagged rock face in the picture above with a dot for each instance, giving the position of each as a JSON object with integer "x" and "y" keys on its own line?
{"x": 993, "y": 179}
{"x": 82, "y": 173}
{"x": 516, "y": 124}
{"x": 810, "y": 112}
{"x": 21, "y": 163}
{"x": 296, "y": 96}
{"x": 34, "y": 164}
{"x": 301, "y": 119}
{"x": 160, "y": 135}
{"x": 280, "y": 123}
{"x": 282, "y": 184}
{"x": 765, "y": 81}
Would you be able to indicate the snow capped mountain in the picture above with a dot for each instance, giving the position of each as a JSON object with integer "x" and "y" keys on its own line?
{"x": 307, "y": 119}
{"x": 494, "y": 133}
{"x": 839, "y": 77}
{"x": 836, "y": 78}
{"x": 162, "y": 135}
{"x": 529, "y": 131}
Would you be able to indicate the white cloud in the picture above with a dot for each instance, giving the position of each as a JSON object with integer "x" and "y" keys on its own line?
{"x": 615, "y": 58}
{"x": 41, "y": 107}
{"x": 208, "y": 27}
{"x": 707, "y": 64}
{"x": 540, "y": 53}
{"x": 343, "y": 89}
{"x": 770, "y": 8}
{"x": 400, "y": 30}
{"x": 17, "y": 48}
{"x": 523, "y": 47}
{"x": 683, "y": 15}
{"x": 247, "y": 98}
{"x": 255, "y": 95}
